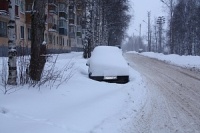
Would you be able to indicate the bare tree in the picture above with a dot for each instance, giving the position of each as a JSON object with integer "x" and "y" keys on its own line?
{"x": 12, "y": 53}
{"x": 38, "y": 50}
{"x": 88, "y": 22}
{"x": 170, "y": 5}
{"x": 106, "y": 22}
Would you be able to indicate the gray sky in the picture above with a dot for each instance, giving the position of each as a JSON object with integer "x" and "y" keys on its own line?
{"x": 139, "y": 11}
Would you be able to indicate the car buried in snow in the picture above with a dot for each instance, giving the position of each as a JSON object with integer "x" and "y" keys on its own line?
{"x": 108, "y": 64}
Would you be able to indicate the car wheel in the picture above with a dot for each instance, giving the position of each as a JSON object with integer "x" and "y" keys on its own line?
{"x": 90, "y": 75}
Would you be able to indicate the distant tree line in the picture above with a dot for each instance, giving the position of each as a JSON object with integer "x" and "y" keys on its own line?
{"x": 185, "y": 28}
{"x": 117, "y": 20}
{"x": 106, "y": 22}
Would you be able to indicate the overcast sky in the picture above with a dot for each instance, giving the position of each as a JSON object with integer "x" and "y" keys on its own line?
{"x": 139, "y": 11}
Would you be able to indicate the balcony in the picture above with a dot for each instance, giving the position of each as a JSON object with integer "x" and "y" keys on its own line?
{"x": 71, "y": 8}
{"x": 83, "y": 24}
{"x": 71, "y": 2}
{"x": 62, "y": 23}
{"x": 79, "y": 28}
{"x": 28, "y": 7}
{"x": 71, "y": 22}
{"x": 53, "y": 2}
{"x": 53, "y": 10}
{"x": 62, "y": 7}
{"x": 63, "y": 31}
{"x": 52, "y": 27}
{"x": 72, "y": 18}
{"x": 52, "y": 7}
{"x": 63, "y": 15}
{"x": 79, "y": 7}
{"x": 55, "y": 27}
{"x": 4, "y": 14}
{"x": 72, "y": 34}
{"x": 79, "y": 34}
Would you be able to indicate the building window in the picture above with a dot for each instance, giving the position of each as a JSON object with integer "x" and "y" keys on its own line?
{"x": 67, "y": 42}
{"x": 50, "y": 38}
{"x": 22, "y": 32}
{"x": 29, "y": 34}
{"x": 60, "y": 40}
{"x": 3, "y": 29}
{"x": 62, "y": 7}
{"x": 79, "y": 20}
{"x": 62, "y": 24}
{"x": 70, "y": 43}
{"x": 17, "y": 3}
{"x": 16, "y": 11}
{"x": 54, "y": 40}
{"x": 71, "y": 29}
{"x": 22, "y": 6}
{"x": 45, "y": 37}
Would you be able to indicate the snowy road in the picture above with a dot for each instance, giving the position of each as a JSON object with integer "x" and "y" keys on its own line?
{"x": 173, "y": 99}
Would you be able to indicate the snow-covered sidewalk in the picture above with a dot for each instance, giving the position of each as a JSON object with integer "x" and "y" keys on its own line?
{"x": 192, "y": 62}
{"x": 80, "y": 105}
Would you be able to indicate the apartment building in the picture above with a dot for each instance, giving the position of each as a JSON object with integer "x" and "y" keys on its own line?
{"x": 79, "y": 22}
{"x": 63, "y": 26}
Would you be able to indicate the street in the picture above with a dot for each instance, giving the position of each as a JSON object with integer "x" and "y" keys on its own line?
{"x": 173, "y": 98}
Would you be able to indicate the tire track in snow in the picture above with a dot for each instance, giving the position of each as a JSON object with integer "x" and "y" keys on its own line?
{"x": 174, "y": 93}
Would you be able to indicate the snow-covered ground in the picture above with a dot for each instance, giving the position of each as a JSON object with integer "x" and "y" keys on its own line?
{"x": 192, "y": 62}
{"x": 80, "y": 105}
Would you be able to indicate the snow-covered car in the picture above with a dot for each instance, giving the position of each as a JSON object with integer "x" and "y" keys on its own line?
{"x": 107, "y": 63}
{"x": 140, "y": 50}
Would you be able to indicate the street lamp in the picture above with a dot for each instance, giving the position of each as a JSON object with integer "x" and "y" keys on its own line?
{"x": 140, "y": 39}
{"x": 160, "y": 22}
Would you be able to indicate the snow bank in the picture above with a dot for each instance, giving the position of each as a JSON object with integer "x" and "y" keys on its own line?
{"x": 183, "y": 61}
{"x": 80, "y": 105}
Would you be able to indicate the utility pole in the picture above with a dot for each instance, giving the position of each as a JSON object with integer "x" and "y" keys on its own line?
{"x": 149, "y": 32}
{"x": 140, "y": 39}
{"x": 156, "y": 49}
{"x": 160, "y": 22}
{"x": 140, "y": 30}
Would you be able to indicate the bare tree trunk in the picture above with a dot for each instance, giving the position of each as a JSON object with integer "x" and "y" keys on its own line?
{"x": 38, "y": 50}
{"x": 12, "y": 52}
{"x": 88, "y": 37}
{"x": 170, "y": 4}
